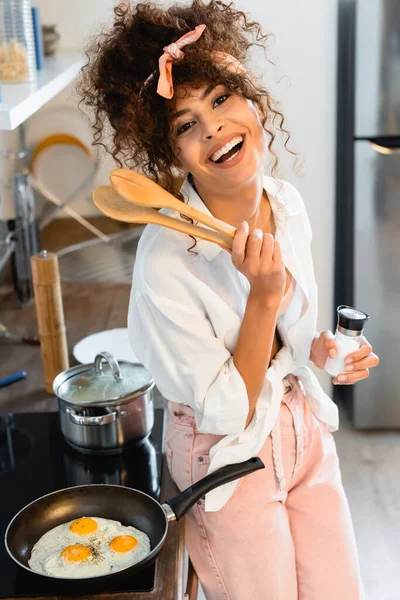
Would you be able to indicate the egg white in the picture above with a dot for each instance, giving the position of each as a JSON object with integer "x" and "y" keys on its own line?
{"x": 52, "y": 563}
{"x": 46, "y": 554}
{"x": 119, "y": 560}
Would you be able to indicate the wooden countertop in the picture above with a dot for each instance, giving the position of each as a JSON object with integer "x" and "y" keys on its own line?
{"x": 87, "y": 309}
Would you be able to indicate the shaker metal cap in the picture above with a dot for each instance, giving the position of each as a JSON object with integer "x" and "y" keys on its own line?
{"x": 351, "y": 318}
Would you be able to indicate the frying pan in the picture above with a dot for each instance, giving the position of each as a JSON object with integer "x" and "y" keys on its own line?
{"x": 129, "y": 506}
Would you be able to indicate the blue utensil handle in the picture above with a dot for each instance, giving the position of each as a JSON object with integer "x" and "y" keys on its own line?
{"x": 12, "y": 378}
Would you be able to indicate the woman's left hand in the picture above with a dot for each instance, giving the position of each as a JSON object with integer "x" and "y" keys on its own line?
{"x": 357, "y": 364}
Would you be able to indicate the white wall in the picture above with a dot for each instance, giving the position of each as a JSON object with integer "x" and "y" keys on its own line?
{"x": 304, "y": 80}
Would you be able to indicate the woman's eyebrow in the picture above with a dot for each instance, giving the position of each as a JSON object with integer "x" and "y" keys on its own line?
{"x": 184, "y": 111}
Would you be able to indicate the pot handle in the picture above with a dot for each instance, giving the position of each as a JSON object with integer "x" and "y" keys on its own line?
{"x": 181, "y": 503}
{"x": 99, "y": 420}
{"x": 113, "y": 364}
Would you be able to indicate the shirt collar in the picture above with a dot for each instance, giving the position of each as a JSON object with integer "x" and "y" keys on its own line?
{"x": 283, "y": 210}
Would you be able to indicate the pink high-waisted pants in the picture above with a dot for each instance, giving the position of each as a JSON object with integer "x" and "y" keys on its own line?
{"x": 266, "y": 543}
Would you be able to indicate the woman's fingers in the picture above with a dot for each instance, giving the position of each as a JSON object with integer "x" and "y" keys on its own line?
{"x": 277, "y": 252}
{"x": 365, "y": 363}
{"x": 258, "y": 258}
{"x": 239, "y": 244}
{"x": 358, "y": 370}
{"x": 364, "y": 350}
{"x": 269, "y": 253}
{"x": 357, "y": 364}
{"x": 351, "y": 378}
{"x": 330, "y": 344}
{"x": 254, "y": 245}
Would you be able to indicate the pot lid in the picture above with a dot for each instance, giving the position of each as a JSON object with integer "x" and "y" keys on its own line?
{"x": 103, "y": 381}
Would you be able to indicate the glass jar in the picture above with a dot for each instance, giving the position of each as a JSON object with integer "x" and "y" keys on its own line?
{"x": 17, "y": 44}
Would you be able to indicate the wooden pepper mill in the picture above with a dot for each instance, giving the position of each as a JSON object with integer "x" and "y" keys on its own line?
{"x": 50, "y": 316}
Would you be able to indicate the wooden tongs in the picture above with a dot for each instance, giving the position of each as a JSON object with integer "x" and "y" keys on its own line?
{"x": 132, "y": 198}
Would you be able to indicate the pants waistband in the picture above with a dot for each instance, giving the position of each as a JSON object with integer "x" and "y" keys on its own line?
{"x": 186, "y": 416}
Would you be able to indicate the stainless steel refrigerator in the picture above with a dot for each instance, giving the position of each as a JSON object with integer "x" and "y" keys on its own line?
{"x": 367, "y": 259}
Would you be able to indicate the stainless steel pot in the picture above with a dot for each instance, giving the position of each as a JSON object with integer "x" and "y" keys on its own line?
{"x": 104, "y": 409}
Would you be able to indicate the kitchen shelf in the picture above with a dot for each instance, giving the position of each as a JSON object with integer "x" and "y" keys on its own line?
{"x": 21, "y": 100}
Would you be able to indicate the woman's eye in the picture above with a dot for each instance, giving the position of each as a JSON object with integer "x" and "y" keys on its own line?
{"x": 221, "y": 99}
{"x": 184, "y": 128}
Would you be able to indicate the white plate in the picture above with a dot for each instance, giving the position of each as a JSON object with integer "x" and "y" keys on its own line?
{"x": 114, "y": 341}
{"x": 58, "y": 119}
{"x": 60, "y": 168}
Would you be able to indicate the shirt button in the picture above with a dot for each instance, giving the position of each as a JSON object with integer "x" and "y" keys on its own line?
{"x": 201, "y": 459}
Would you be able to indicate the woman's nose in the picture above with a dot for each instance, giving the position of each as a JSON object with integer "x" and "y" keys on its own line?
{"x": 211, "y": 129}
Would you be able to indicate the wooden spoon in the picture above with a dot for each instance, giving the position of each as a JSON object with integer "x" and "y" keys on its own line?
{"x": 141, "y": 190}
{"x": 111, "y": 204}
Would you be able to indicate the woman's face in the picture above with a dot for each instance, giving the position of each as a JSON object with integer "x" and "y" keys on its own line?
{"x": 218, "y": 138}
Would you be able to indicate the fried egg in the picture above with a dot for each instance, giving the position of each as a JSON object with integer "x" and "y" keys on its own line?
{"x": 88, "y": 547}
{"x": 127, "y": 548}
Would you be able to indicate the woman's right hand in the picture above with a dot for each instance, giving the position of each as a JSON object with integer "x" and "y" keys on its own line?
{"x": 257, "y": 255}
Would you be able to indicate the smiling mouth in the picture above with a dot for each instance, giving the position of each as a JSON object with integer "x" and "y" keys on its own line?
{"x": 230, "y": 154}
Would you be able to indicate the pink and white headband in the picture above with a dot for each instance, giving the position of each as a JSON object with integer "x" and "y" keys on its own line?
{"x": 173, "y": 52}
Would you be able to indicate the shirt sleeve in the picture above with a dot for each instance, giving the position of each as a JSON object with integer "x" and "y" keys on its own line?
{"x": 188, "y": 363}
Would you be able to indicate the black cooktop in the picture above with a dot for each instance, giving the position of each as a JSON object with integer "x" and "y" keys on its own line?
{"x": 36, "y": 460}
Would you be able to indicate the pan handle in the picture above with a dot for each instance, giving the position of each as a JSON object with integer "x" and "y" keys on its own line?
{"x": 181, "y": 503}
{"x": 95, "y": 420}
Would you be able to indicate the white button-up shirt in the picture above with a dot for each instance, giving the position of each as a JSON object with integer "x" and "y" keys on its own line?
{"x": 184, "y": 320}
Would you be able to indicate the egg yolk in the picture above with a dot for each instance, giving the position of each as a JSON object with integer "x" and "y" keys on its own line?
{"x": 76, "y": 553}
{"x": 83, "y": 526}
{"x": 123, "y": 543}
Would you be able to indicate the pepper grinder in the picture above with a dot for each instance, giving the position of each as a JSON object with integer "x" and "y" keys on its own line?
{"x": 350, "y": 326}
{"x": 50, "y": 316}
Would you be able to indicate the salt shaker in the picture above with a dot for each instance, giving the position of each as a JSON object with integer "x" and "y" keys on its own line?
{"x": 348, "y": 334}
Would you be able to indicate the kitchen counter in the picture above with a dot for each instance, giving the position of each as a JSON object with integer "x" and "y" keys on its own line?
{"x": 87, "y": 309}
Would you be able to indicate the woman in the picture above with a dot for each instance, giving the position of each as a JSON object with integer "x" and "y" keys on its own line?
{"x": 227, "y": 338}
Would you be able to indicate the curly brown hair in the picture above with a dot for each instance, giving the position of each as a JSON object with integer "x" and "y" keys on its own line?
{"x": 121, "y": 59}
